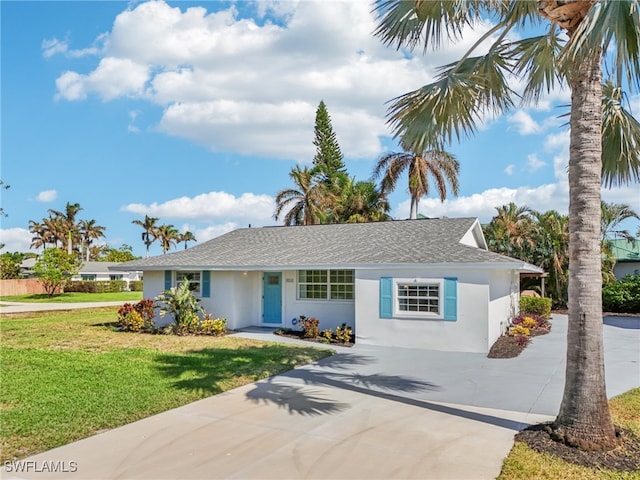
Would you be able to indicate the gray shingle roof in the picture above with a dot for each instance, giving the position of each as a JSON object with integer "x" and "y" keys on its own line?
{"x": 351, "y": 245}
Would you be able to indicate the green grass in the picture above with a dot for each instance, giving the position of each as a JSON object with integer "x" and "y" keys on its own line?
{"x": 75, "y": 297}
{"x": 67, "y": 375}
{"x": 523, "y": 463}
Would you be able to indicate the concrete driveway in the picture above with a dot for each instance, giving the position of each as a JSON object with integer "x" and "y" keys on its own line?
{"x": 367, "y": 412}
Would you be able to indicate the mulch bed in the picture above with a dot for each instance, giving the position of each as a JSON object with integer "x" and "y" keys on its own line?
{"x": 300, "y": 336}
{"x": 506, "y": 346}
{"x": 625, "y": 458}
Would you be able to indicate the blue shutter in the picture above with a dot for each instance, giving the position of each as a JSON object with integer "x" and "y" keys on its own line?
{"x": 206, "y": 284}
{"x": 451, "y": 299}
{"x": 386, "y": 297}
{"x": 167, "y": 279}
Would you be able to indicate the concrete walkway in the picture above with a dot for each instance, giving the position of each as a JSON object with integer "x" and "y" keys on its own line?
{"x": 366, "y": 412}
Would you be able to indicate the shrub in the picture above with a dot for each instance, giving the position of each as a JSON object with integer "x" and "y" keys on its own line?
{"x": 536, "y": 305}
{"x": 328, "y": 334}
{"x": 146, "y": 309}
{"x": 129, "y": 319}
{"x": 622, "y": 296}
{"x": 309, "y": 326}
{"x": 519, "y": 330}
{"x": 522, "y": 340}
{"x": 343, "y": 333}
{"x": 135, "y": 285}
{"x": 183, "y": 305}
{"x": 95, "y": 286}
{"x": 213, "y": 326}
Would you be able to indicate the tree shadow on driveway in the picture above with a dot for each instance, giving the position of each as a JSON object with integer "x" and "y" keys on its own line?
{"x": 326, "y": 373}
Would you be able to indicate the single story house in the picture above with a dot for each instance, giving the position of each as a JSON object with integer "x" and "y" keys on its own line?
{"x": 105, "y": 271}
{"x": 428, "y": 283}
{"x": 90, "y": 271}
{"x": 627, "y": 255}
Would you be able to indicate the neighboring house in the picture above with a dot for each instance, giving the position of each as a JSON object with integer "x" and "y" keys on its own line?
{"x": 627, "y": 255}
{"x": 413, "y": 283}
{"x": 105, "y": 271}
{"x": 91, "y": 271}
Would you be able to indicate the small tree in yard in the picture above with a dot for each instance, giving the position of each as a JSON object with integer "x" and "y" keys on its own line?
{"x": 183, "y": 305}
{"x": 55, "y": 268}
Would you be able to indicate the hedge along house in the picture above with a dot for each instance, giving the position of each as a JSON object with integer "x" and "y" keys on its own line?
{"x": 428, "y": 283}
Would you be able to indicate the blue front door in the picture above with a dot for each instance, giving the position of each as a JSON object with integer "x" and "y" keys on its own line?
{"x": 272, "y": 298}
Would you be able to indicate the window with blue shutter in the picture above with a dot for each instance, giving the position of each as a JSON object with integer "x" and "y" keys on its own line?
{"x": 451, "y": 299}
{"x": 386, "y": 297}
{"x": 206, "y": 284}
{"x": 167, "y": 279}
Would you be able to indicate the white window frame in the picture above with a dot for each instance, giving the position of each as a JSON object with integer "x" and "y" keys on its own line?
{"x": 400, "y": 282}
{"x": 327, "y": 284}
{"x": 195, "y": 284}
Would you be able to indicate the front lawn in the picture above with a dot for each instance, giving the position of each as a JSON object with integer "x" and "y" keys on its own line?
{"x": 75, "y": 297}
{"x": 68, "y": 375}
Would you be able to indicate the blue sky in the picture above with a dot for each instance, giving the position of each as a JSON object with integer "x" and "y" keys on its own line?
{"x": 195, "y": 112}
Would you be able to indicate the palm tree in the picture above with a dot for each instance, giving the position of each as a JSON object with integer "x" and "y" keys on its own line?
{"x": 613, "y": 214}
{"x": 620, "y": 139}
{"x": 150, "y": 229}
{"x": 509, "y": 231}
{"x": 186, "y": 237}
{"x": 68, "y": 221}
{"x": 441, "y": 166}
{"x": 551, "y": 240}
{"x": 451, "y": 105}
{"x": 56, "y": 230}
{"x": 305, "y": 202}
{"x": 360, "y": 202}
{"x": 39, "y": 232}
{"x": 168, "y": 236}
{"x": 89, "y": 232}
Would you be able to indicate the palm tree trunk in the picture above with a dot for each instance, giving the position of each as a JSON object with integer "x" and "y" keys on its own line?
{"x": 413, "y": 214}
{"x": 584, "y": 419}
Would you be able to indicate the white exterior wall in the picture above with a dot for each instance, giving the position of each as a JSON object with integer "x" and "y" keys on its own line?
{"x": 469, "y": 333}
{"x": 236, "y": 297}
{"x": 503, "y": 303}
{"x": 152, "y": 286}
{"x": 330, "y": 313}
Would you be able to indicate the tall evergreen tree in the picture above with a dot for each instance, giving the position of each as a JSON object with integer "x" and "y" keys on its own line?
{"x": 328, "y": 158}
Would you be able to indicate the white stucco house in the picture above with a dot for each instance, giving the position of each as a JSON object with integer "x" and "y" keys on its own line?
{"x": 91, "y": 271}
{"x": 428, "y": 283}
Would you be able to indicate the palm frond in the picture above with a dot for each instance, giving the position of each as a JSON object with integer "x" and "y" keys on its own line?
{"x": 609, "y": 22}
{"x": 536, "y": 60}
{"x": 409, "y": 23}
{"x": 451, "y": 106}
{"x": 620, "y": 139}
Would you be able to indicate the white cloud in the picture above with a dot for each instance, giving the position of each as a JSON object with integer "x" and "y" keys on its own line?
{"x": 510, "y": 170}
{"x": 524, "y": 124}
{"x": 53, "y": 47}
{"x": 232, "y": 84}
{"x": 204, "y": 234}
{"x": 114, "y": 77}
{"x": 208, "y": 207}
{"x": 483, "y": 205}
{"x": 534, "y": 163}
{"x": 47, "y": 196}
{"x": 15, "y": 239}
